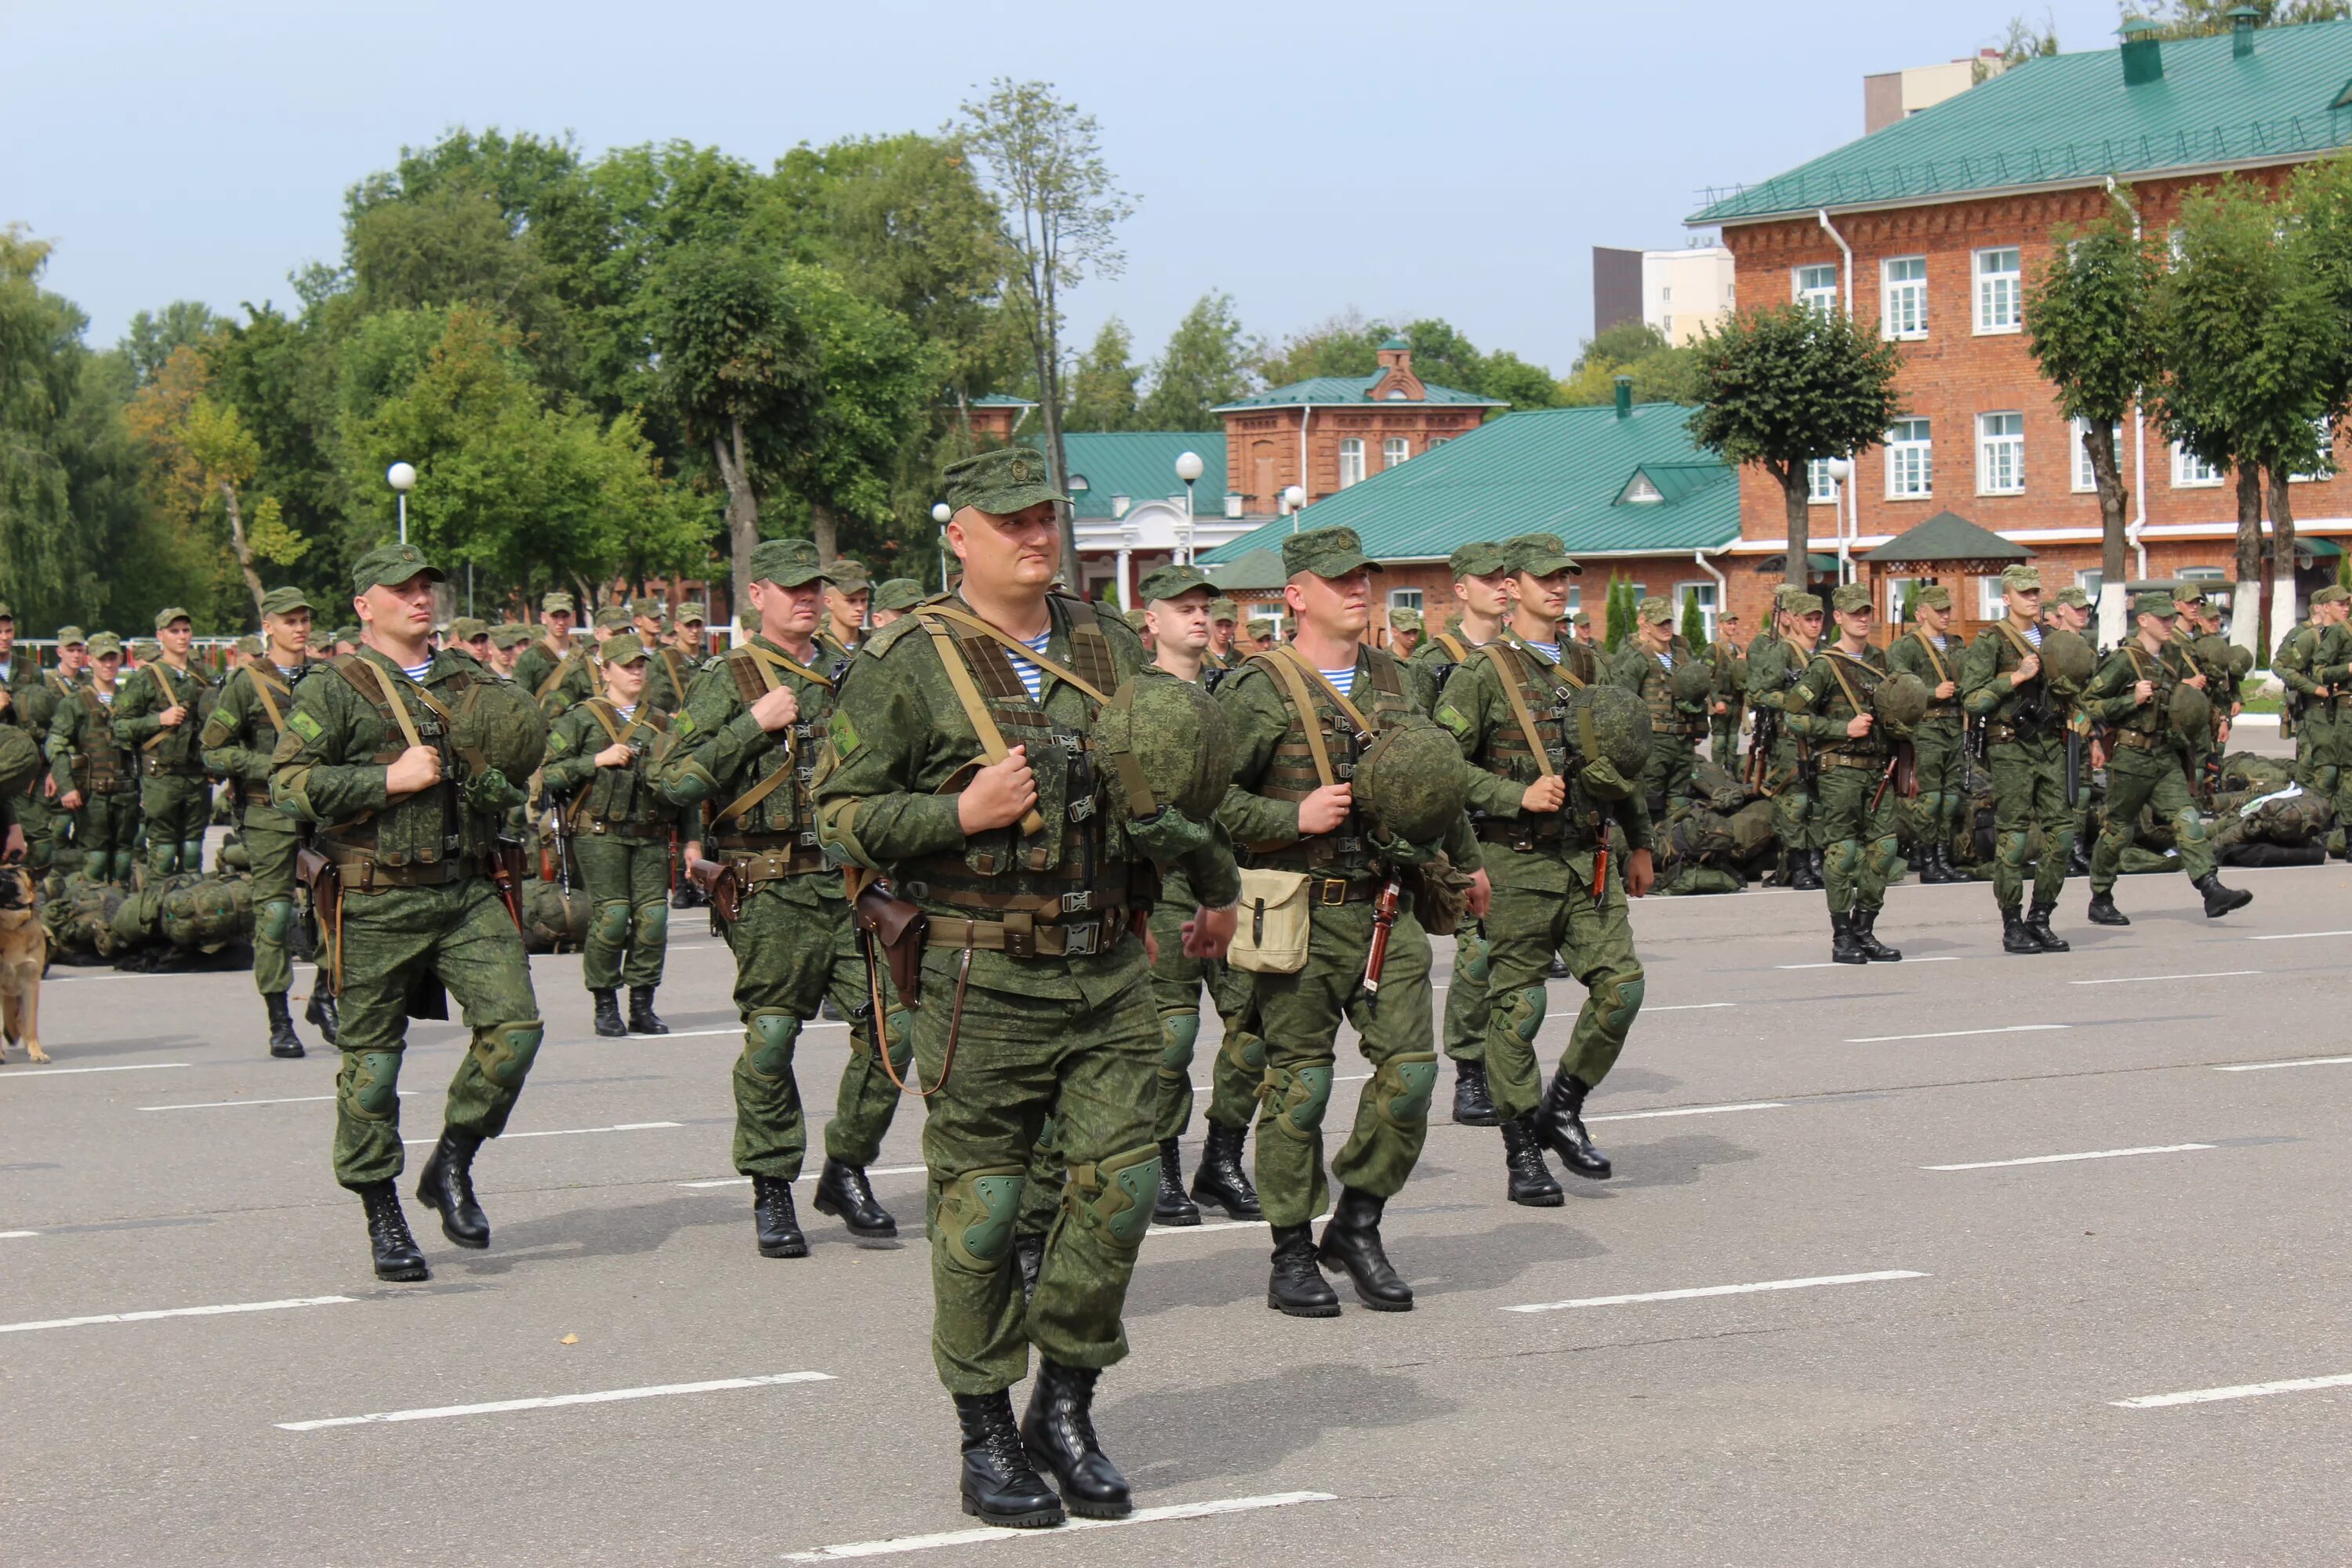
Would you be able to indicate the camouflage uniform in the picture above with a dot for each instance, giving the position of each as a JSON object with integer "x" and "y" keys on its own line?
{"x": 1855, "y": 802}
{"x": 175, "y": 800}
{"x": 1675, "y": 728}
{"x": 555, "y": 678}
{"x": 2313, "y": 719}
{"x": 1730, "y": 661}
{"x": 1774, "y": 664}
{"x": 2025, "y": 751}
{"x": 31, "y": 705}
{"x": 85, "y": 754}
{"x": 2331, "y": 666}
{"x": 1938, "y": 743}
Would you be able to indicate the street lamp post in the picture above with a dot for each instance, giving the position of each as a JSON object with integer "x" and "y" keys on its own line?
{"x": 1188, "y": 469}
{"x": 1840, "y": 471}
{"x": 403, "y": 479}
{"x": 1294, "y": 498}
{"x": 939, "y": 514}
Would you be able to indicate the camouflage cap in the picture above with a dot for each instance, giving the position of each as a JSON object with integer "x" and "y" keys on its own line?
{"x": 555, "y": 601}
{"x": 284, "y": 601}
{"x": 898, "y": 593}
{"x": 2331, "y": 594}
{"x": 1482, "y": 557}
{"x": 104, "y": 643}
{"x": 1000, "y": 483}
{"x": 1801, "y": 603}
{"x": 624, "y": 647}
{"x": 1261, "y": 629}
{"x": 1849, "y": 597}
{"x": 1538, "y": 555}
{"x": 2072, "y": 598}
{"x": 348, "y": 634}
{"x": 612, "y": 617}
{"x": 849, "y": 576}
{"x": 249, "y": 645}
{"x": 146, "y": 650}
{"x": 390, "y": 566}
{"x": 1653, "y": 610}
{"x": 786, "y": 562}
{"x": 1327, "y": 552}
{"x": 74, "y": 636}
{"x": 1222, "y": 608}
{"x": 1134, "y": 619}
{"x": 1936, "y": 596}
{"x": 2187, "y": 594}
{"x": 2160, "y": 604}
{"x": 512, "y": 634}
{"x": 692, "y": 614}
{"x": 466, "y": 629}
{"x": 1582, "y": 618}
{"x": 2020, "y": 579}
{"x": 647, "y": 609}
{"x": 170, "y": 613}
{"x": 1168, "y": 582}
{"x": 1405, "y": 620}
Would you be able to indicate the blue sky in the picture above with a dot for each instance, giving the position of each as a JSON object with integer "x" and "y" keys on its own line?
{"x": 1407, "y": 160}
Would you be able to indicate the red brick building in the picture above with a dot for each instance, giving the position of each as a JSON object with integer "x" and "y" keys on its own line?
{"x": 1934, "y": 227}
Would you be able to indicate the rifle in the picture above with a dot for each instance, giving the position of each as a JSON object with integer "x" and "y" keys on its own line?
{"x": 1384, "y": 919}
{"x": 2073, "y": 766}
{"x": 1764, "y": 735}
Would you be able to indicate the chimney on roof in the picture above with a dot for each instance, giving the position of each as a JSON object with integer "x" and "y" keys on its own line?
{"x": 2243, "y": 19}
{"x": 1397, "y": 354}
{"x": 2143, "y": 52}
{"x": 1624, "y": 396}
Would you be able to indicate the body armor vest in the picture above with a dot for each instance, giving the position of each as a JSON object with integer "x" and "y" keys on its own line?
{"x": 623, "y": 800}
{"x": 433, "y": 827}
{"x": 1547, "y": 688}
{"x": 1860, "y": 676}
{"x": 1290, "y": 774}
{"x": 782, "y": 815}
{"x": 102, "y": 765}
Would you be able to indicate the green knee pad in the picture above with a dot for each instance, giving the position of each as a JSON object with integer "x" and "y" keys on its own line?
{"x": 1402, "y": 1086}
{"x": 768, "y": 1043}
{"x": 1179, "y": 1032}
{"x": 1245, "y": 1049}
{"x": 273, "y": 921}
{"x": 2188, "y": 826}
{"x": 1844, "y": 861}
{"x": 1888, "y": 850}
{"x": 2009, "y": 849}
{"x": 1115, "y": 1196}
{"x": 1616, "y": 1001}
{"x": 1299, "y": 1099}
{"x": 653, "y": 925}
{"x": 975, "y": 1216}
{"x": 371, "y": 1085}
{"x": 1471, "y": 953}
{"x": 1523, "y": 1012}
{"x": 192, "y": 854}
{"x": 504, "y": 1051}
{"x": 610, "y": 924}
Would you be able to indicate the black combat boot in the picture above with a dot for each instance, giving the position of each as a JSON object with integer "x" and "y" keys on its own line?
{"x": 2037, "y": 925}
{"x": 608, "y": 1015}
{"x": 1559, "y": 1122}
{"x": 778, "y": 1227}
{"x": 1059, "y": 1433}
{"x": 2102, "y": 910}
{"x": 642, "y": 1019}
{"x": 1528, "y": 1179}
{"x": 1297, "y": 1287}
{"x": 2078, "y": 859}
{"x": 447, "y": 1183}
{"x": 2220, "y": 900}
{"x": 1029, "y": 1258}
{"x": 1557, "y": 970}
{"x": 1865, "y": 937}
{"x": 323, "y": 1011}
{"x": 999, "y": 1485}
{"x": 1808, "y": 871}
{"x": 283, "y": 1040}
{"x": 1935, "y": 865}
{"x": 1172, "y": 1206}
{"x": 396, "y": 1257}
{"x": 2014, "y": 935}
{"x": 1844, "y": 949}
{"x": 843, "y": 1193}
{"x": 1351, "y": 1241}
{"x": 1221, "y": 1180}
{"x": 1473, "y": 1106}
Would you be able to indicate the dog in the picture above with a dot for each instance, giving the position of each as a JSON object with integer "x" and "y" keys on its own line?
{"x": 24, "y": 954}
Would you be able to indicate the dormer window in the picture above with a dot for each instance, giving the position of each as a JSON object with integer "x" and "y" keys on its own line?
{"x": 1638, "y": 490}
{"x": 1398, "y": 394}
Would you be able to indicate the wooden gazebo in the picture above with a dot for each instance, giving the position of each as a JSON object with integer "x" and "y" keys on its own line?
{"x": 1947, "y": 548}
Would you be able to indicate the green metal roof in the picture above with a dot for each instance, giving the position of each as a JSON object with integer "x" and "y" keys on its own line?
{"x": 1002, "y": 400}
{"x": 1550, "y": 470}
{"x": 2069, "y": 120}
{"x": 1321, "y": 390}
{"x": 1947, "y": 536}
{"x": 1254, "y": 570}
{"x": 1141, "y": 466}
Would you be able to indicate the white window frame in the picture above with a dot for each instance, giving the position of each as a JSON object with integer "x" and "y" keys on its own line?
{"x": 2085, "y": 482}
{"x": 1896, "y": 588}
{"x": 2191, "y": 472}
{"x": 2091, "y": 581}
{"x": 2328, "y": 466}
{"x": 1351, "y": 460}
{"x": 1999, "y": 292}
{"x": 2000, "y": 448}
{"x": 1404, "y": 599}
{"x": 1394, "y": 449}
{"x": 1820, "y": 488}
{"x": 1910, "y": 454}
{"x": 1807, "y": 289}
{"x": 1705, "y": 588}
{"x": 1903, "y": 301}
{"x": 1990, "y": 605}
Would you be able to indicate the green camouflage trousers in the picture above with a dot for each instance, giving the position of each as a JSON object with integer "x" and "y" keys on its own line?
{"x": 2331, "y": 772}
{"x": 176, "y": 807}
{"x": 2028, "y": 791}
{"x": 2137, "y": 779}
{"x": 1020, "y": 1061}
{"x": 628, "y": 884}
{"x": 1859, "y": 839}
{"x": 270, "y": 851}
{"x": 1466, "y": 1006}
{"x": 460, "y": 935}
{"x": 1526, "y": 926}
{"x": 1723, "y": 732}
{"x": 1667, "y": 779}
{"x": 1934, "y": 815}
{"x": 793, "y": 947}
{"x": 1298, "y": 1016}
{"x": 2314, "y": 745}
{"x": 1176, "y": 983}
{"x": 104, "y": 830}
{"x": 41, "y": 821}
{"x": 1792, "y": 799}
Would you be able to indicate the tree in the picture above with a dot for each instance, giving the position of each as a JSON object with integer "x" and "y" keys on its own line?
{"x": 1785, "y": 384}
{"x": 153, "y": 335}
{"x": 1661, "y": 371}
{"x": 2192, "y": 18}
{"x": 1694, "y": 627}
{"x": 1060, "y": 213}
{"x": 1103, "y": 395}
{"x": 2088, "y": 320}
{"x": 1619, "y": 610}
{"x": 1347, "y": 344}
{"x": 1204, "y": 364}
{"x": 2024, "y": 41}
{"x": 201, "y": 460}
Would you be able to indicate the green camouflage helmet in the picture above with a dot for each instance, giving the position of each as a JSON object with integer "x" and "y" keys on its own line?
{"x": 2069, "y": 658}
{"x": 554, "y": 920}
{"x": 2241, "y": 661}
{"x": 2212, "y": 654}
{"x": 498, "y": 725}
{"x": 2192, "y": 713}
{"x": 1692, "y": 682}
{"x": 1609, "y": 731}
{"x": 1413, "y": 782}
{"x": 1166, "y": 743}
{"x": 205, "y": 913}
{"x": 1901, "y": 699}
{"x": 20, "y": 758}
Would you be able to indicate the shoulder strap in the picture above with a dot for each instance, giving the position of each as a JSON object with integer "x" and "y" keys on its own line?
{"x": 1302, "y": 700}
{"x": 670, "y": 668}
{"x": 1289, "y": 654}
{"x": 1012, "y": 643}
{"x": 975, "y": 710}
{"x": 602, "y": 710}
{"x": 1507, "y": 664}
{"x": 262, "y": 688}
{"x": 348, "y": 668}
{"x": 1837, "y": 661}
{"x": 1089, "y": 648}
{"x": 1451, "y": 645}
{"x": 769, "y": 660}
{"x": 2008, "y": 628}
{"x": 555, "y": 676}
{"x": 1935, "y": 658}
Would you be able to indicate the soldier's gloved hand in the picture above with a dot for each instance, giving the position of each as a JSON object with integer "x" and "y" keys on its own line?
{"x": 1167, "y": 836}
{"x": 489, "y": 791}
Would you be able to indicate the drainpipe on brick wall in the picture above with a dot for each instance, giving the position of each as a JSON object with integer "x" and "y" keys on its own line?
{"x": 2111, "y": 627}
{"x": 1722, "y": 588}
{"x": 1830, "y": 229}
{"x": 1306, "y": 412}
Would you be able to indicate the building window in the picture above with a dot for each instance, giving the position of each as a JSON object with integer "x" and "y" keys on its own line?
{"x": 2326, "y": 468}
{"x": 1667, "y": 294}
{"x": 1667, "y": 325}
{"x": 1394, "y": 450}
{"x": 2085, "y": 481}
{"x": 1706, "y": 605}
{"x": 2000, "y": 454}
{"x": 1818, "y": 288}
{"x": 1435, "y": 441}
{"x": 1351, "y": 461}
{"x": 2091, "y": 583}
{"x": 1904, "y": 280}
{"x": 1897, "y": 588}
{"x": 1820, "y": 488}
{"x": 1404, "y": 598}
{"x": 1991, "y": 605}
{"x": 2190, "y": 471}
{"x": 2001, "y": 291}
{"x": 1910, "y": 465}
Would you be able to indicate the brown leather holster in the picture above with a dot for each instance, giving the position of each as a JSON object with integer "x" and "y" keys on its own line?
{"x": 897, "y": 930}
{"x": 717, "y": 880}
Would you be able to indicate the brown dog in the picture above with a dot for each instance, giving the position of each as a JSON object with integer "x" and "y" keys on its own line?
{"x": 24, "y": 954}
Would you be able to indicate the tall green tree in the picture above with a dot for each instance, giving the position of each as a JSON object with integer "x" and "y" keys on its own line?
{"x": 1205, "y": 363}
{"x": 1782, "y": 385}
{"x": 1103, "y": 383}
{"x": 153, "y": 334}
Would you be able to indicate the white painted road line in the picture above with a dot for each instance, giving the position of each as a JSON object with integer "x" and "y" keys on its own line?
{"x": 175, "y": 1313}
{"x": 986, "y": 1534}
{"x": 1343, "y": 1078}
{"x": 1957, "y": 1034}
{"x": 2068, "y": 1159}
{"x": 1691, "y": 1294}
{"x": 2243, "y": 1391}
{"x": 549, "y": 1402}
{"x": 1938, "y": 958}
{"x": 570, "y": 1132}
{"x": 1690, "y": 1007}
{"x": 2298, "y": 1062}
{"x": 2296, "y": 935}
{"x": 871, "y": 1171}
{"x": 292, "y": 1099}
{"x": 2144, "y": 979}
{"x": 13, "y": 1235}
{"x": 30, "y": 1073}
{"x": 1692, "y": 1110}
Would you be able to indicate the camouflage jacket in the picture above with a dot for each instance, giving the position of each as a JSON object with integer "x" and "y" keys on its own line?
{"x": 622, "y": 801}
{"x": 1646, "y": 674}
{"x": 81, "y": 727}
{"x": 1986, "y": 692}
{"x": 1819, "y": 709}
{"x": 2110, "y": 698}
{"x": 718, "y": 753}
{"x": 1916, "y": 653}
{"x": 241, "y": 736}
{"x": 555, "y": 682}
{"x": 146, "y": 693}
{"x": 670, "y": 675}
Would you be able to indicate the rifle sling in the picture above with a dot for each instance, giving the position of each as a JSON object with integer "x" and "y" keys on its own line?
{"x": 1515, "y": 693}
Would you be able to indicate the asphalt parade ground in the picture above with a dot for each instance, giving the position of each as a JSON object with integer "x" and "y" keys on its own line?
{"x": 1972, "y": 1258}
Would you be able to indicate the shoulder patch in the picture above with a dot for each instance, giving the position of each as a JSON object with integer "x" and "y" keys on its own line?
{"x": 308, "y": 727}
{"x": 1456, "y": 722}
{"x": 840, "y": 733}
{"x": 685, "y": 723}
{"x": 889, "y": 637}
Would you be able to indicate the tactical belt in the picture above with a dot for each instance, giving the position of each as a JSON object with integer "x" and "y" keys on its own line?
{"x": 1520, "y": 833}
{"x": 1028, "y": 906}
{"x": 1020, "y": 936}
{"x": 2011, "y": 735}
{"x": 620, "y": 826}
{"x": 157, "y": 768}
{"x": 1849, "y": 760}
{"x": 752, "y": 867}
{"x": 362, "y": 872}
{"x": 2139, "y": 740}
